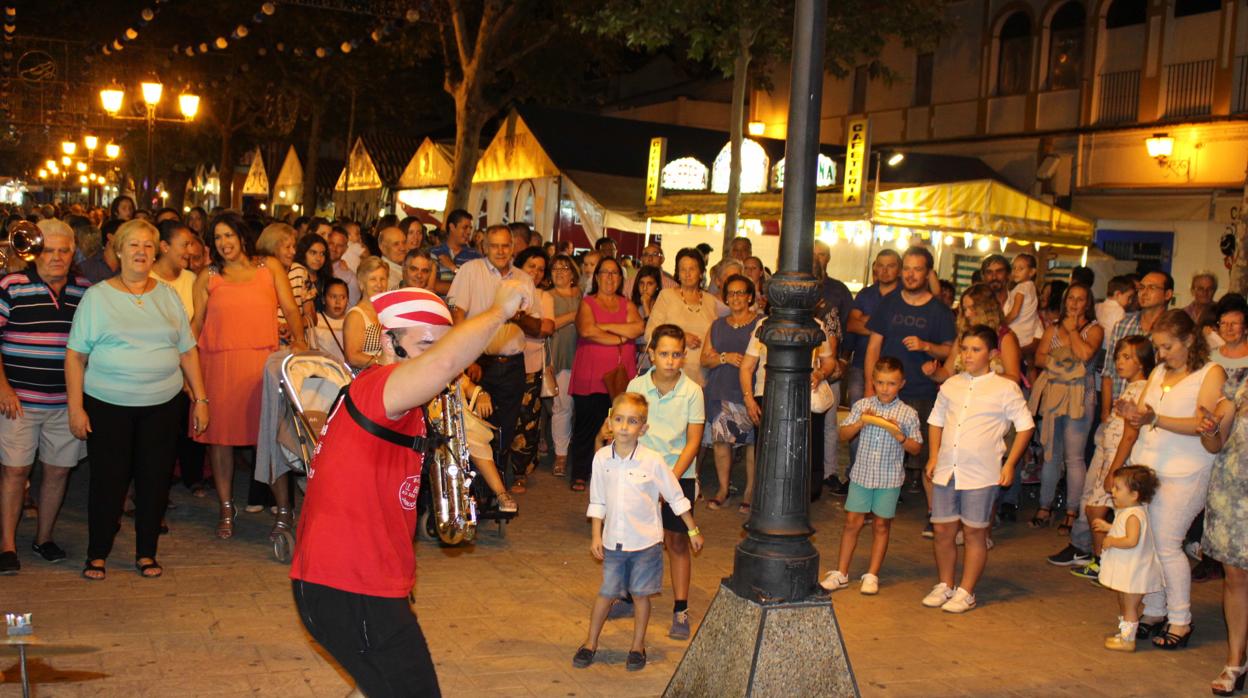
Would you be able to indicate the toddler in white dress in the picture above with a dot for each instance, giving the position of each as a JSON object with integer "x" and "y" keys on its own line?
{"x": 1129, "y": 564}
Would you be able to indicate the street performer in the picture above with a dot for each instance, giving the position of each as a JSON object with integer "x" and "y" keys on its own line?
{"x": 354, "y": 563}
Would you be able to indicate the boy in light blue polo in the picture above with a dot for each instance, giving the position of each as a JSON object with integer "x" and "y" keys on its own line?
{"x": 887, "y": 429}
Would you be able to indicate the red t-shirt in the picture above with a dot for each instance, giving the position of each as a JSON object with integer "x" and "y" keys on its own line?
{"x": 359, "y": 515}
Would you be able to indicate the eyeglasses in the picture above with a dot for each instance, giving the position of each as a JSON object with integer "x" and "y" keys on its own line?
{"x": 555, "y": 269}
{"x": 740, "y": 293}
{"x": 1230, "y": 325}
{"x": 608, "y": 273}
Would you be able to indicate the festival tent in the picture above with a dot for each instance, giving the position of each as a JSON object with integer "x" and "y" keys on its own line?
{"x": 288, "y": 186}
{"x": 422, "y": 187}
{"x": 255, "y": 185}
{"x": 364, "y": 189}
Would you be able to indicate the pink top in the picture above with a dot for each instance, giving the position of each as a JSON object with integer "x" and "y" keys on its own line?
{"x": 592, "y": 360}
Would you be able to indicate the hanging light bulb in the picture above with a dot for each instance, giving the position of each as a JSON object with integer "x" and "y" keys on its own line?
{"x": 948, "y": 239}
{"x": 983, "y": 244}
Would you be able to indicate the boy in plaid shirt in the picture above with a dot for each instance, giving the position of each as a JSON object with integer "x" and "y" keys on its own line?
{"x": 887, "y": 429}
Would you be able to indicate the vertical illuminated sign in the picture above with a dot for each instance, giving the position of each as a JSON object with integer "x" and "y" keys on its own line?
{"x": 654, "y": 169}
{"x": 857, "y": 148}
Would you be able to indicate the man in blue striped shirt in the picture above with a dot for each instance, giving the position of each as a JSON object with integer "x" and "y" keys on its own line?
{"x": 36, "y": 310}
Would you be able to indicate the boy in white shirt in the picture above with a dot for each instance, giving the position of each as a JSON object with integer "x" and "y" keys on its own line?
{"x": 624, "y": 492}
{"x": 966, "y": 432}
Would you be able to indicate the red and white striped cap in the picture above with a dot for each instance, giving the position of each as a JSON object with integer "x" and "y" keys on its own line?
{"x": 411, "y": 307}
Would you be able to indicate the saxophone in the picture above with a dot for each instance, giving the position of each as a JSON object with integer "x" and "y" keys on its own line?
{"x": 451, "y": 472}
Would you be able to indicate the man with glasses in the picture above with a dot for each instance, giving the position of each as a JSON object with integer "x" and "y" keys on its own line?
{"x": 1156, "y": 290}
{"x": 502, "y": 365}
{"x": 651, "y": 256}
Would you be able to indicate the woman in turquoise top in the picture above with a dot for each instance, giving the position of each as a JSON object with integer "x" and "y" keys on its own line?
{"x": 130, "y": 352}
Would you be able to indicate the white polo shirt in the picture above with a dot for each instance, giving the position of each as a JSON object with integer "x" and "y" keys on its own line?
{"x": 975, "y": 413}
{"x": 624, "y": 492}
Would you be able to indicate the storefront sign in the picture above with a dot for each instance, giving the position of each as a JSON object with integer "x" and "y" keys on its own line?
{"x": 857, "y": 149}
{"x": 654, "y": 170}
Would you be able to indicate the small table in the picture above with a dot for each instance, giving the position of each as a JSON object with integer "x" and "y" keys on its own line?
{"x": 21, "y": 645}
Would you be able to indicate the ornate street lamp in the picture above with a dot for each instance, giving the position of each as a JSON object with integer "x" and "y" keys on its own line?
{"x": 112, "y": 98}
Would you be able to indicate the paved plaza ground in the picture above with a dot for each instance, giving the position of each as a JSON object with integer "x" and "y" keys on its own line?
{"x": 504, "y": 617}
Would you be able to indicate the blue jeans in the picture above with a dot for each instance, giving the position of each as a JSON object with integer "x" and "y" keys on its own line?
{"x": 1069, "y": 438}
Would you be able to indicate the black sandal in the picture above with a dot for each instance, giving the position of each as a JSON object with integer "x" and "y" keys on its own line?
{"x": 1169, "y": 641}
{"x": 1147, "y": 631}
{"x": 1063, "y": 529}
{"x": 1038, "y": 521}
{"x": 88, "y": 567}
{"x": 144, "y": 568}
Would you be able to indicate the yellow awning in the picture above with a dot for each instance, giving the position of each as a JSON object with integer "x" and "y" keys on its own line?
{"x": 982, "y": 207}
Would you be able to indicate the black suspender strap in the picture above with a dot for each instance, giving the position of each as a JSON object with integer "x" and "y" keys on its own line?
{"x": 420, "y": 444}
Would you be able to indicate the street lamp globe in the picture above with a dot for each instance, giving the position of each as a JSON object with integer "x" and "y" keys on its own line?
{"x": 111, "y": 98}
{"x": 91, "y": 142}
{"x": 151, "y": 92}
{"x": 113, "y": 151}
{"x": 51, "y": 164}
{"x": 189, "y": 104}
{"x": 66, "y": 161}
{"x": 43, "y": 174}
{"x": 81, "y": 166}
{"x": 69, "y": 147}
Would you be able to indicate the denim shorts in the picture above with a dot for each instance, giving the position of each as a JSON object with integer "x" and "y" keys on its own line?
{"x": 881, "y": 501}
{"x": 636, "y": 572}
{"x": 972, "y": 507}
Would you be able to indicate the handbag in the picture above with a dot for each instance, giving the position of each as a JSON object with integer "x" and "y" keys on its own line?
{"x": 550, "y": 387}
{"x": 616, "y": 379}
{"x": 821, "y": 398}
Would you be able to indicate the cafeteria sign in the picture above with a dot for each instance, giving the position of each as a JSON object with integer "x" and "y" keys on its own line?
{"x": 654, "y": 169}
{"x": 856, "y": 159}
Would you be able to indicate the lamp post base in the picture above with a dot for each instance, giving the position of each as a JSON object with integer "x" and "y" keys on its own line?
{"x": 744, "y": 648}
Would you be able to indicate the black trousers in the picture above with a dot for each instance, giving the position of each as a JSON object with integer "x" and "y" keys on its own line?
{"x": 190, "y": 453}
{"x": 588, "y": 414}
{"x": 377, "y": 640}
{"x": 129, "y": 443}
{"x": 503, "y": 378}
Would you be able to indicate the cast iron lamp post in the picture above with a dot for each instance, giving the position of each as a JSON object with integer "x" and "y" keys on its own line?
{"x": 112, "y": 97}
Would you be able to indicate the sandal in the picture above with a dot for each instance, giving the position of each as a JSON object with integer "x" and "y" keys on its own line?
{"x": 507, "y": 503}
{"x": 520, "y": 486}
{"x": 1063, "y": 529}
{"x": 225, "y": 522}
{"x": 91, "y": 568}
{"x": 284, "y": 521}
{"x": 744, "y": 508}
{"x": 1169, "y": 641}
{"x": 144, "y": 568}
{"x": 716, "y": 503}
{"x": 578, "y": 485}
{"x": 1230, "y": 680}
{"x": 1039, "y": 521}
{"x": 560, "y": 467}
{"x": 1147, "y": 631}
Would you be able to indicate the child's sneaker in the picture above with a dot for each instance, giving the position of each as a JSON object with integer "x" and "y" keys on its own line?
{"x": 870, "y": 584}
{"x": 583, "y": 657}
{"x": 1091, "y": 571}
{"x": 679, "y": 631}
{"x": 938, "y": 596}
{"x": 636, "y": 661}
{"x": 929, "y": 531}
{"x": 834, "y": 580}
{"x": 961, "y": 602}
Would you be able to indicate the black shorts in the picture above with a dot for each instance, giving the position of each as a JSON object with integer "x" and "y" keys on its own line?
{"x": 672, "y": 522}
{"x": 377, "y": 640}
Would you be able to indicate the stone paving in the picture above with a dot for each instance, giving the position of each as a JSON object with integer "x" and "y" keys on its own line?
{"x": 504, "y": 617}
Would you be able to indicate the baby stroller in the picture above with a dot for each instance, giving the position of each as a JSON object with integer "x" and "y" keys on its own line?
{"x": 310, "y": 382}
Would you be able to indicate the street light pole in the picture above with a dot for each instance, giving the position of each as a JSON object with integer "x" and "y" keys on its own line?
{"x": 149, "y": 186}
{"x": 771, "y": 629}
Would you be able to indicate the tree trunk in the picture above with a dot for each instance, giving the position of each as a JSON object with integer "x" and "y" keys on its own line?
{"x": 1239, "y": 262}
{"x": 312, "y": 159}
{"x": 740, "y": 80}
{"x": 226, "y": 166}
{"x": 470, "y": 116}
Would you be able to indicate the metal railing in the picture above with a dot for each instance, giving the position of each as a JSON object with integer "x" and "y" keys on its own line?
{"x": 1239, "y": 101}
{"x": 1189, "y": 88}
{"x": 1118, "y": 101}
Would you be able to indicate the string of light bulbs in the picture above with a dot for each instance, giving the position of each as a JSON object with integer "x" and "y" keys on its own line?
{"x": 131, "y": 33}
{"x": 241, "y": 31}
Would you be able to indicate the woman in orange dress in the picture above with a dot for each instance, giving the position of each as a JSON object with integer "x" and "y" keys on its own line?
{"x": 236, "y": 302}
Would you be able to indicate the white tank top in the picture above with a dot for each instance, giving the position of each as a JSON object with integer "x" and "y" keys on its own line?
{"x": 1168, "y": 453}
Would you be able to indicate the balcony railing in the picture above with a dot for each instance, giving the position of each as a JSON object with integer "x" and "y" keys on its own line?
{"x": 1239, "y": 101}
{"x": 1119, "y": 98}
{"x": 1189, "y": 88}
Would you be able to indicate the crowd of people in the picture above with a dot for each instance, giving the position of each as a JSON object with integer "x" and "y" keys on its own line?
{"x": 138, "y": 340}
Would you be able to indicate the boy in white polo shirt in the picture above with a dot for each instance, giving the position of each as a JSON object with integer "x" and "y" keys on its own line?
{"x": 966, "y": 432}
{"x": 624, "y": 493}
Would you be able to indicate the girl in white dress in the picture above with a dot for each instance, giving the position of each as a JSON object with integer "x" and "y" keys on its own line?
{"x": 1129, "y": 564}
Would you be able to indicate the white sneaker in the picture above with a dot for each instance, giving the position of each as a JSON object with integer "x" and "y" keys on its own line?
{"x": 989, "y": 544}
{"x": 870, "y": 584}
{"x": 937, "y": 597}
{"x": 834, "y": 580}
{"x": 961, "y": 602}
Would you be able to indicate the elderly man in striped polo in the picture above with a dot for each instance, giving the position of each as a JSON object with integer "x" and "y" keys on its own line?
{"x": 36, "y": 310}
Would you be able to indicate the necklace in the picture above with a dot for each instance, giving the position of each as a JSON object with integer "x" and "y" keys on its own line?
{"x": 743, "y": 323}
{"x": 136, "y": 298}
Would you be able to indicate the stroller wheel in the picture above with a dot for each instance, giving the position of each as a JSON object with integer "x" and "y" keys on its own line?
{"x": 283, "y": 544}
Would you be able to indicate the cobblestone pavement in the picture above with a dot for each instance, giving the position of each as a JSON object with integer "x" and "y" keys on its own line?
{"x": 504, "y": 617}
